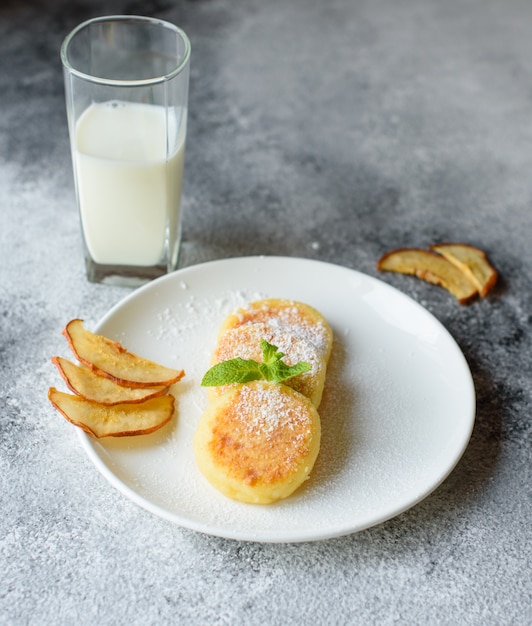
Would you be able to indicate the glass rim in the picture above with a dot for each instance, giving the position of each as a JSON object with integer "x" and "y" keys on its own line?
{"x": 135, "y": 82}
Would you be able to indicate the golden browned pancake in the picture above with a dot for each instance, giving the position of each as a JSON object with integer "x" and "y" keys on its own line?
{"x": 296, "y": 318}
{"x": 244, "y": 342}
{"x": 258, "y": 442}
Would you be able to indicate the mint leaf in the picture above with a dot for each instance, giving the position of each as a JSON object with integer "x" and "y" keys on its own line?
{"x": 270, "y": 354}
{"x": 245, "y": 370}
{"x": 233, "y": 371}
{"x": 281, "y": 371}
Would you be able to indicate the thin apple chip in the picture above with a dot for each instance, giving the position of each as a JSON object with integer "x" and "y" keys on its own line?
{"x": 472, "y": 261}
{"x": 113, "y": 421}
{"x": 432, "y": 268}
{"x": 108, "y": 358}
{"x": 88, "y": 384}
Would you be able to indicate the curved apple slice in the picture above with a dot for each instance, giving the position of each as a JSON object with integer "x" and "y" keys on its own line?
{"x": 118, "y": 420}
{"x": 87, "y": 384}
{"x": 472, "y": 261}
{"x": 430, "y": 267}
{"x": 108, "y": 358}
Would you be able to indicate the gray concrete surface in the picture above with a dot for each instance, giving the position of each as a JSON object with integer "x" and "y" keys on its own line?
{"x": 329, "y": 130}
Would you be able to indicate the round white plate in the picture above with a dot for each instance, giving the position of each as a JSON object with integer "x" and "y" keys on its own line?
{"x": 397, "y": 412}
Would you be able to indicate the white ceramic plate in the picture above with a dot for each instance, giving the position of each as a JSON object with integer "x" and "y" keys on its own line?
{"x": 397, "y": 412}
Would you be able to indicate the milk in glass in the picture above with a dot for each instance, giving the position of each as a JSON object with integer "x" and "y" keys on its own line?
{"x": 128, "y": 181}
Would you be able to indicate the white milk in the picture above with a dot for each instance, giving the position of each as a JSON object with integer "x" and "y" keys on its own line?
{"x": 128, "y": 191}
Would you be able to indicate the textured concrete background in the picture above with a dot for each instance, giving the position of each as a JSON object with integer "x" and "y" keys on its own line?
{"x": 332, "y": 130}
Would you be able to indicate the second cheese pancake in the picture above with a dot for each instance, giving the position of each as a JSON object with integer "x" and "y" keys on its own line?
{"x": 258, "y": 442}
{"x": 244, "y": 342}
{"x": 296, "y": 318}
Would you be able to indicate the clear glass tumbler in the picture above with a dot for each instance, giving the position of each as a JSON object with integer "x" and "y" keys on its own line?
{"x": 126, "y": 87}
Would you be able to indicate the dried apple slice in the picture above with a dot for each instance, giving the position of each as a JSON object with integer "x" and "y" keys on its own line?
{"x": 472, "y": 261}
{"x": 118, "y": 420}
{"x": 108, "y": 358}
{"x": 430, "y": 267}
{"x": 88, "y": 384}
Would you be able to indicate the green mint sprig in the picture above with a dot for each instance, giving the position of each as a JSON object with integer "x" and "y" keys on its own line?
{"x": 245, "y": 370}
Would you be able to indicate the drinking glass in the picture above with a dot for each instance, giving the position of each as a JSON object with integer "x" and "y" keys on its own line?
{"x": 126, "y": 86}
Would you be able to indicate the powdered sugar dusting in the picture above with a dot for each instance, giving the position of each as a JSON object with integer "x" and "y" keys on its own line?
{"x": 264, "y": 410}
{"x": 191, "y": 313}
{"x": 292, "y": 317}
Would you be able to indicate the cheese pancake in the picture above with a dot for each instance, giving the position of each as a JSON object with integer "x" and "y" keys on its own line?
{"x": 296, "y": 318}
{"x": 258, "y": 442}
{"x": 244, "y": 342}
